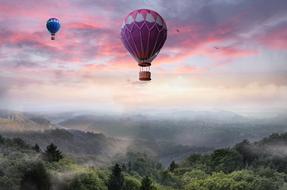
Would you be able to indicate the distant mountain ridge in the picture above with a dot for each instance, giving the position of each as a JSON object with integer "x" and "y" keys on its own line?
{"x": 98, "y": 136}
{"x": 18, "y": 121}
{"x": 211, "y": 129}
{"x": 83, "y": 146}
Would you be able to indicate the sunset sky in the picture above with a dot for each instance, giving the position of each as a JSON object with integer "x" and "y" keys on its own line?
{"x": 228, "y": 55}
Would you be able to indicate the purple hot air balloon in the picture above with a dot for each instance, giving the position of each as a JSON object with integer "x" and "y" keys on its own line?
{"x": 143, "y": 33}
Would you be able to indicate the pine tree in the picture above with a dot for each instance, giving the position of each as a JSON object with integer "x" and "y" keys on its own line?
{"x": 2, "y": 140}
{"x": 37, "y": 148}
{"x": 116, "y": 181}
{"x": 146, "y": 184}
{"x": 52, "y": 154}
{"x": 172, "y": 166}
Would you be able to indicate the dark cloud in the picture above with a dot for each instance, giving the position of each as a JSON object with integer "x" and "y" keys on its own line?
{"x": 212, "y": 12}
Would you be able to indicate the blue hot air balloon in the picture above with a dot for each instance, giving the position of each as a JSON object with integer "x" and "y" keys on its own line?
{"x": 53, "y": 26}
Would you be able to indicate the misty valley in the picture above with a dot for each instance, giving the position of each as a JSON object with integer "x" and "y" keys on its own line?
{"x": 191, "y": 150}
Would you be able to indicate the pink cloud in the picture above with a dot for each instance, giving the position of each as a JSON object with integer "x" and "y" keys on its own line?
{"x": 276, "y": 38}
{"x": 233, "y": 52}
{"x": 87, "y": 35}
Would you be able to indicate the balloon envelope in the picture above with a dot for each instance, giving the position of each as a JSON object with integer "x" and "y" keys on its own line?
{"x": 53, "y": 25}
{"x": 143, "y": 33}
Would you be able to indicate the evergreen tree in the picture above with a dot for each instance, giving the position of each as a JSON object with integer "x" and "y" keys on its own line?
{"x": 116, "y": 181}
{"x": 37, "y": 148}
{"x": 52, "y": 154}
{"x": 2, "y": 140}
{"x": 172, "y": 166}
{"x": 146, "y": 184}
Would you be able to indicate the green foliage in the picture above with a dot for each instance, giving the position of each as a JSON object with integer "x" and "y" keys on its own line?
{"x": 238, "y": 180}
{"x": 116, "y": 181}
{"x": 146, "y": 184}
{"x": 7, "y": 183}
{"x": 16, "y": 143}
{"x": 52, "y": 154}
{"x": 2, "y": 140}
{"x": 195, "y": 161}
{"x": 35, "y": 177}
{"x": 169, "y": 179}
{"x": 15, "y": 157}
{"x": 141, "y": 165}
{"x": 88, "y": 181}
{"x": 37, "y": 148}
{"x": 20, "y": 143}
{"x": 172, "y": 166}
{"x": 245, "y": 149}
{"x": 193, "y": 174}
{"x": 162, "y": 187}
{"x": 271, "y": 174}
{"x": 267, "y": 152}
{"x": 226, "y": 160}
{"x": 247, "y": 166}
{"x": 131, "y": 183}
{"x": 104, "y": 175}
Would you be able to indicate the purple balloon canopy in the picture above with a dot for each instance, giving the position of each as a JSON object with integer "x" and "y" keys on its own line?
{"x": 143, "y": 33}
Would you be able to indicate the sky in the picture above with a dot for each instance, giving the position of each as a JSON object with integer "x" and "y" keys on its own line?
{"x": 219, "y": 54}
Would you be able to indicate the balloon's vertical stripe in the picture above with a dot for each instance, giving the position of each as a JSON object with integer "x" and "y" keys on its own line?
{"x": 135, "y": 49}
{"x": 155, "y": 44}
{"x": 127, "y": 44}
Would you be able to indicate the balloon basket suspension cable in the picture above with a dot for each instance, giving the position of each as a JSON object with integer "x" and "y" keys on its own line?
{"x": 145, "y": 74}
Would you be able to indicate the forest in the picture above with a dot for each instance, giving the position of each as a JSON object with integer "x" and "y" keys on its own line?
{"x": 260, "y": 165}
